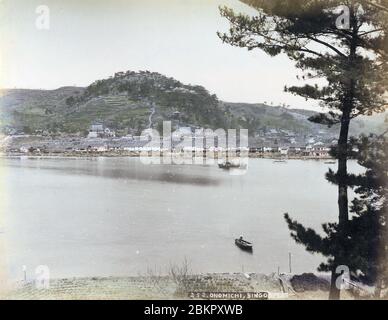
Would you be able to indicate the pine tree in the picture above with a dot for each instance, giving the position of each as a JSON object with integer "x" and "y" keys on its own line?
{"x": 344, "y": 42}
{"x": 366, "y": 245}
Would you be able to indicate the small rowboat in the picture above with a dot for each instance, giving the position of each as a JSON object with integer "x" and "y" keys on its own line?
{"x": 244, "y": 245}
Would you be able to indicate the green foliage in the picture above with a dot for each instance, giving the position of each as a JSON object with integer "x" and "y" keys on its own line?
{"x": 71, "y": 101}
{"x": 72, "y": 110}
{"x": 352, "y": 61}
{"x": 306, "y": 32}
{"x": 365, "y": 248}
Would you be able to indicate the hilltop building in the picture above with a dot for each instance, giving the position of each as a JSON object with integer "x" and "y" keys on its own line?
{"x": 98, "y": 130}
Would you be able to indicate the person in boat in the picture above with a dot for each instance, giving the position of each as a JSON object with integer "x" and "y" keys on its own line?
{"x": 241, "y": 238}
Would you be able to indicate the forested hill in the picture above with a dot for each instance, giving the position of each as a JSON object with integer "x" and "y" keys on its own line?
{"x": 130, "y": 102}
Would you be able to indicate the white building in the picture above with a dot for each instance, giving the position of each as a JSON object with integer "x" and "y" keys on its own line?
{"x": 93, "y": 134}
{"x": 283, "y": 151}
{"x": 97, "y": 127}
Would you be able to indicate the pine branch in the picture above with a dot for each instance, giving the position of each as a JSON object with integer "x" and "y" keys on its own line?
{"x": 378, "y": 6}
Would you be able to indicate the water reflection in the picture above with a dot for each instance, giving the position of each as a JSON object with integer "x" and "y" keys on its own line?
{"x": 116, "y": 169}
{"x": 116, "y": 216}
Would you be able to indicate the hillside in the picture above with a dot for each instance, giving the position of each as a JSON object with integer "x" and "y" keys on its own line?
{"x": 121, "y": 102}
{"x": 130, "y": 102}
{"x": 261, "y": 117}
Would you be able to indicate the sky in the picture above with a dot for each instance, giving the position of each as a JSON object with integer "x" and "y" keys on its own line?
{"x": 89, "y": 40}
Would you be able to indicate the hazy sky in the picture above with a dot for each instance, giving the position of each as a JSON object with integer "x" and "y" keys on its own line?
{"x": 92, "y": 39}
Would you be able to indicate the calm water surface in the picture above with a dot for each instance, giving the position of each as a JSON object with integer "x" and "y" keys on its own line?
{"x": 117, "y": 216}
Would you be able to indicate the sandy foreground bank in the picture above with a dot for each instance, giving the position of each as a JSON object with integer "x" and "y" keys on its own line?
{"x": 166, "y": 287}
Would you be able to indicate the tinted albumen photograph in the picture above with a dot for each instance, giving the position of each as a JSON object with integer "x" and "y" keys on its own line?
{"x": 193, "y": 150}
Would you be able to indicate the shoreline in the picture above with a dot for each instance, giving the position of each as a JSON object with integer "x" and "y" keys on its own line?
{"x": 192, "y": 287}
{"x": 135, "y": 154}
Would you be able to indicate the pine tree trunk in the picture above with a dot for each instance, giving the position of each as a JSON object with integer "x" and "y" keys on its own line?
{"x": 343, "y": 210}
{"x": 334, "y": 291}
{"x": 342, "y": 198}
{"x": 378, "y": 288}
{"x": 342, "y": 173}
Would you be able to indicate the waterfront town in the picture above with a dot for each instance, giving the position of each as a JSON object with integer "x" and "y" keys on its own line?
{"x": 102, "y": 140}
